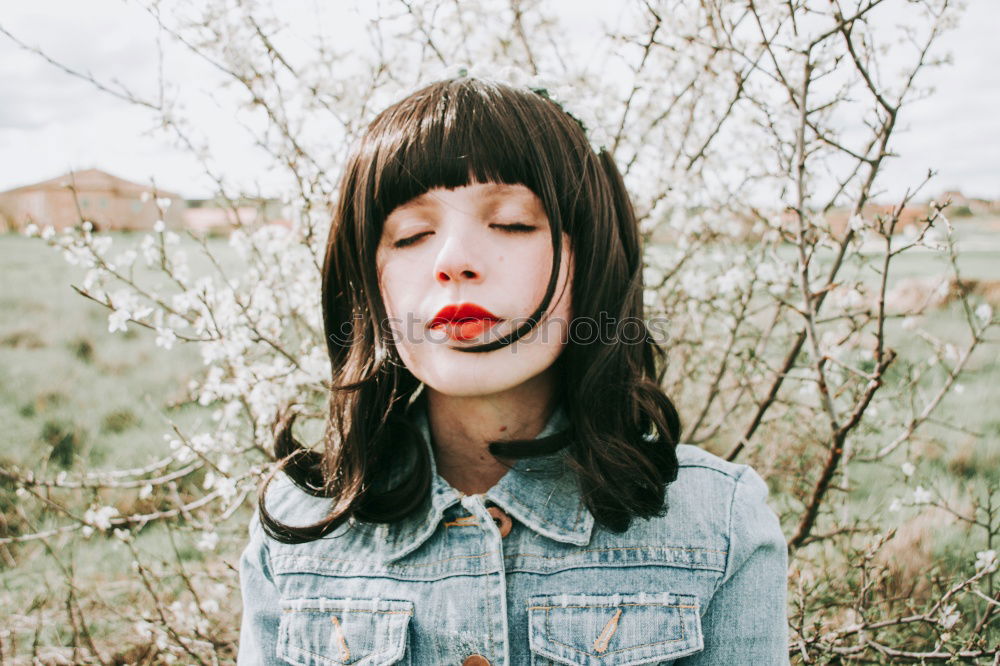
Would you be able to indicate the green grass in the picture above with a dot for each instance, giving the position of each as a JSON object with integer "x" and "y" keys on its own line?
{"x": 74, "y": 396}
{"x": 61, "y": 371}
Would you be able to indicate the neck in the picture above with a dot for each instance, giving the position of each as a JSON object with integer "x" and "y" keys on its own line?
{"x": 462, "y": 427}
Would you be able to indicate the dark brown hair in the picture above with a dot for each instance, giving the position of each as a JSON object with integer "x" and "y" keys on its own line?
{"x": 623, "y": 429}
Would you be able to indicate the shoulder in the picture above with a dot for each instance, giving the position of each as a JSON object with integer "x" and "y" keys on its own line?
{"x": 710, "y": 479}
{"x": 717, "y": 503}
{"x": 695, "y": 458}
{"x": 728, "y": 499}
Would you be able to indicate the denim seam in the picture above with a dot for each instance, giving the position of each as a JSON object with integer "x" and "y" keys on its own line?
{"x": 393, "y": 566}
{"x": 714, "y": 469}
{"x": 727, "y": 571}
{"x": 319, "y": 611}
{"x": 610, "y": 605}
{"x": 607, "y": 550}
{"x": 685, "y": 566}
{"x": 269, "y": 573}
{"x": 508, "y": 555}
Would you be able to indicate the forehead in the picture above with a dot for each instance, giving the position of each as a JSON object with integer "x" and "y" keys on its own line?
{"x": 479, "y": 195}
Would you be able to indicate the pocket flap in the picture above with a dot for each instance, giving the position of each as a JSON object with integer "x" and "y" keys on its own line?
{"x": 361, "y": 632}
{"x": 614, "y": 630}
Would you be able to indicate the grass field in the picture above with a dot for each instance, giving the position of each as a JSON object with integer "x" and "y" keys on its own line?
{"x": 74, "y": 396}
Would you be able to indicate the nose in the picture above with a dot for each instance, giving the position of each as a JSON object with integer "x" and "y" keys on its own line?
{"x": 458, "y": 260}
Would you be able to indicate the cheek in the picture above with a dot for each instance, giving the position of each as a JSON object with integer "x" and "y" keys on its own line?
{"x": 389, "y": 287}
{"x": 399, "y": 298}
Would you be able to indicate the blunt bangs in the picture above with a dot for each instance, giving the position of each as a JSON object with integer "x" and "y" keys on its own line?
{"x": 459, "y": 131}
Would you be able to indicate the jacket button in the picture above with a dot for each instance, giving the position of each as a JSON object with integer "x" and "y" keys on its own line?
{"x": 504, "y": 523}
{"x": 476, "y": 660}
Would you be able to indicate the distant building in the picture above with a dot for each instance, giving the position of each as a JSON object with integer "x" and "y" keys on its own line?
{"x": 962, "y": 205}
{"x": 108, "y": 202}
{"x": 912, "y": 215}
{"x": 217, "y": 217}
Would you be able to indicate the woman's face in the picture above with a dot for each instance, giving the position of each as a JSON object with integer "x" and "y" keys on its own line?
{"x": 485, "y": 245}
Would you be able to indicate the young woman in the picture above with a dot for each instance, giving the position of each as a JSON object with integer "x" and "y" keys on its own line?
{"x": 501, "y": 480}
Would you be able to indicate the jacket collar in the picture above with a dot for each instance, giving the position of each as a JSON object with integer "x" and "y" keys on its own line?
{"x": 541, "y": 493}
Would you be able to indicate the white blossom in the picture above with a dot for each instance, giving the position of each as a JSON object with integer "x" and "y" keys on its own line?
{"x": 165, "y": 338}
{"x": 142, "y": 628}
{"x": 117, "y": 319}
{"x": 732, "y": 280}
{"x": 984, "y": 312}
{"x": 226, "y": 487}
{"x": 921, "y": 495}
{"x": 141, "y": 312}
{"x": 695, "y": 283}
{"x": 101, "y": 517}
{"x": 951, "y": 352}
{"x": 150, "y": 252}
{"x": 908, "y": 468}
{"x": 159, "y": 226}
{"x": 986, "y": 560}
{"x": 182, "y": 451}
{"x": 91, "y": 277}
{"x": 949, "y": 616}
{"x": 207, "y": 541}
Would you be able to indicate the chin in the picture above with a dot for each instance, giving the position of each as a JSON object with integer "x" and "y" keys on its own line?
{"x": 474, "y": 375}
{"x": 461, "y": 383}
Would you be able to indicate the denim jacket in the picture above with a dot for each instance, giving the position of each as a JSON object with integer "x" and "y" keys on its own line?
{"x": 534, "y": 582}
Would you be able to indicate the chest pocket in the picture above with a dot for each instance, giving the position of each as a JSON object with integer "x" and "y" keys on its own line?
{"x": 613, "y": 630}
{"x": 338, "y": 632}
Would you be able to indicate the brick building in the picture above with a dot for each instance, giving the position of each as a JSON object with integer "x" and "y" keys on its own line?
{"x": 105, "y": 200}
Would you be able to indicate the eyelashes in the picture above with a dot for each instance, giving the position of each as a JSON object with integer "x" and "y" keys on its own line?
{"x": 403, "y": 242}
{"x": 516, "y": 228}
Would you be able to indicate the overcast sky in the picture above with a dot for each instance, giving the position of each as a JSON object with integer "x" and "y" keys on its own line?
{"x": 51, "y": 122}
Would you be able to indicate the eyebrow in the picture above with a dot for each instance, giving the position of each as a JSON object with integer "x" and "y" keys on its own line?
{"x": 416, "y": 202}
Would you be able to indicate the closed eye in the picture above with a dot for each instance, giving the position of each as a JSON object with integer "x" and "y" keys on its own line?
{"x": 403, "y": 242}
{"x": 515, "y": 228}
{"x": 508, "y": 228}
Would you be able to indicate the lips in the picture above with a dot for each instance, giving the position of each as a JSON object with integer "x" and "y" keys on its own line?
{"x": 463, "y": 321}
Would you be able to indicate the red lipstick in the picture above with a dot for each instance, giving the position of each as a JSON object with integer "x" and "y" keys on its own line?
{"x": 464, "y": 321}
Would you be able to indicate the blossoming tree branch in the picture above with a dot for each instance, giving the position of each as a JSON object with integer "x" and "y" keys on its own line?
{"x": 743, "y": 130}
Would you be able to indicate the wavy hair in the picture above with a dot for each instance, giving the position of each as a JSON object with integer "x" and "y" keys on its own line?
{"x": 373, "y": 465}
